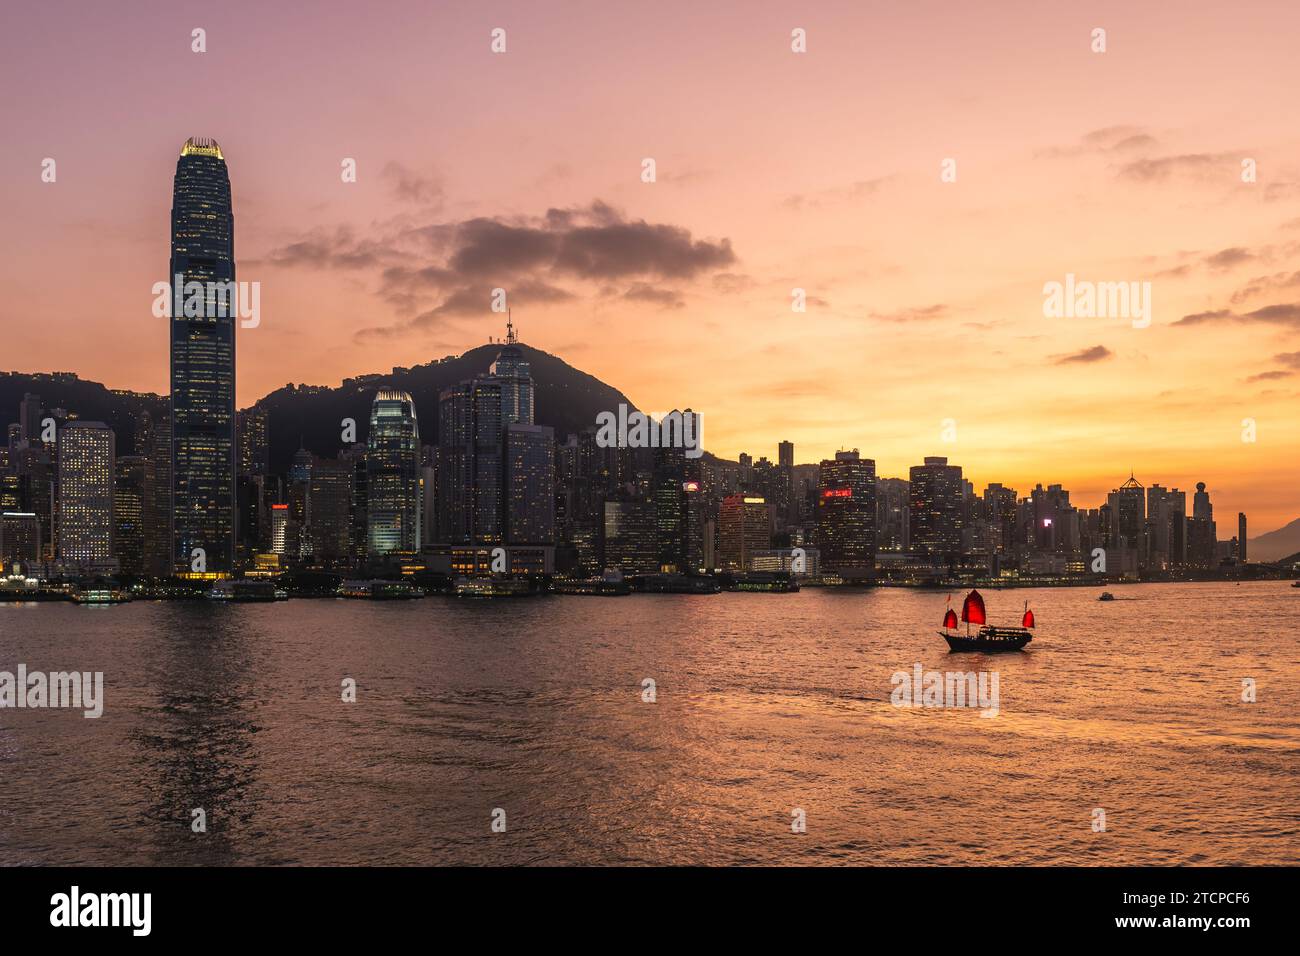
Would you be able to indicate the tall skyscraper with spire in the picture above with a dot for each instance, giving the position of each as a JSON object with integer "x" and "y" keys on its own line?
{"x": 203, "y": 364}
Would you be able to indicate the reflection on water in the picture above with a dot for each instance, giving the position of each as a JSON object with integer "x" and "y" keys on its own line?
{"x": 765, "y": 704}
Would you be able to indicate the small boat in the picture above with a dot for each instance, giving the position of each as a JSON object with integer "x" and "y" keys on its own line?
{"x": 1106, "y": 596}
{"x": 988, "y": 638}
{"x": 678, "y": 584}
{"x": 1295, "y": 584}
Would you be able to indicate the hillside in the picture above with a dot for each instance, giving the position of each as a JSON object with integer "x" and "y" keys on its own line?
{"x": 1277, "y": 544}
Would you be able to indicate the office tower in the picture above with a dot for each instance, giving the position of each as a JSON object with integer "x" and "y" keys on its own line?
{"x": 846, "y": 516}
{"x": 85, "y": 498}
{"x": 158, "y": 535}
{"x": 428, "y": 495}
{"x": 20, "y": 539}
{"x": 329, "y": 511}
{"x": 1128, "y": 516}
{"x": 1202, "y": 537}
{"x": 630, "y": 539}
{"x": 36, "y": 490}
{"x": 203, "y": 364}
{"x": 1000, "y": 508}
{"x": 253, "y": 431}
{"x": 530, "y": 484}
{"x": 516, "y": 381}
{"x": 743, "y": 531}
{"x": 1055, "y": 528}
{"x": 281, "y": 532}
{"x": 785, "y": 454}
{"x": 697, "y": 532}
{"x": 1166, "y": 526}
{"x": 356, "y": 459}
{"x": 937, "y": 504}
{"x": 130, "y": 496}
{"x": 10, "y": 492}
{"x": 667, "y": 490}
{"x": 471, "y": 462}
{"x": 29, "y": 419}
{"x": 1241, "y": 537}
{"x": 393, "y": 475}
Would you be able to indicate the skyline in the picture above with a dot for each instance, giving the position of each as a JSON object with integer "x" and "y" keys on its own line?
{"x": 893, "y": 260}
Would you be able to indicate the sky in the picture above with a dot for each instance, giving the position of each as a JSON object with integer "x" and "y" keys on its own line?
{"x": 922, "y": 172}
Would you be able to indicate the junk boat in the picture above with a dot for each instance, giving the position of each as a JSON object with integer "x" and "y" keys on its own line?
{"x": 988, "y": 638}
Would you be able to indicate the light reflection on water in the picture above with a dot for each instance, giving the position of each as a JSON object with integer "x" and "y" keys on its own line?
{"x": 765, "y": 703}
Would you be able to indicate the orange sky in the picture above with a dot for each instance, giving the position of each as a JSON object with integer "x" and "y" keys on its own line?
{"x": 775, "y": 170}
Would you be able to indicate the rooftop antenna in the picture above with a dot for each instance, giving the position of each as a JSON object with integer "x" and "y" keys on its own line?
{"x": 510, "y": 328}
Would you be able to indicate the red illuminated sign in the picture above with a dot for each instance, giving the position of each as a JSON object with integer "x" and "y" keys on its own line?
{"x": 838, "y": 493}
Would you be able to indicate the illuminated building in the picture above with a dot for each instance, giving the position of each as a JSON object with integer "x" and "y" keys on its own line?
{"x": 20, "y": 538}
{"x": 130, "y": 495}
{"x": 937, "y": 505}
{"x": 203, "y": 363}
{"x": 846, "y": 516}
{"x": 530, "y": 487}
{"x": 744, "y": 529}
{"x": 85, "y": 480}
{"x": 329, "y": 510}
{"x": 631, "y": 541}
{"x": 393, "y": 475}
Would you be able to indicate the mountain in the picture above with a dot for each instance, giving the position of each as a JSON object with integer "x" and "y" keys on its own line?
{"x": 1275, "y": 545}
{"x": 565, "y": 398}
{"x": 88, "y": 401}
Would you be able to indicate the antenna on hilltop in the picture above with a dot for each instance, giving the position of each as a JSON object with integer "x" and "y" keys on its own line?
{"x": 510, "y": 328}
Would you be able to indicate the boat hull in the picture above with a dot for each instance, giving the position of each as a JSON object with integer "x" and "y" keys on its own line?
{"x": 961, "y": 642}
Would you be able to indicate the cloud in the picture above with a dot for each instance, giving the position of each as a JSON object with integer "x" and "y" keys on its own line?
{"x": 923, "y": 313}
{"x": 1188, "y": 164}
{"x": 1289, "y": 359}
{"x": 439, "y": 269}
{"x": 854, "y": 191}
{"x": 1287, "y": 314}
{"x": 1098, "y": 353}
{"x": 664, "y": 298}
{"x": 410, "y": 186}
{"x": 1270, "y": 376}
{"x": 1227, "y": 258}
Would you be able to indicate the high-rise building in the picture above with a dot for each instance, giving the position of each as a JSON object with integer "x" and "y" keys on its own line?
{"x": 253, "y": 430}
{"x": 937, "y": 503}
{"x": 515, "y": 376}
{"x": 130, "y": 496}
{"x": 20, "y": 538}
{"x": 1241, "y": 536}
{"x": 530, "y": 484}
{"x": 1128, "y": 517}
{"x": 471, "y": 463}
{"x": 393, "y": 475}
{"x": 631, "y": 541}
{"x": 329, "y": 510}
{"x": 1202, "y": 536}
{"x": 743, "y": 531}
{"x": 846, "y": 516}
{"x": 203, "y": 363}
{"x": 785, "y": 454}
{"x": 85, "y": 499}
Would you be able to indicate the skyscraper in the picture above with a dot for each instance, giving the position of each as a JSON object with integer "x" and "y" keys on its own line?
{"x": 937, "y": 502}
{"x": 846, "y": 516}
{"x": 130, "y": 498}
{"x": 203, "y": 364}
{"x": 85, "y": 521}
{"x": 743, "y": 531}
{"x": 393, "y": 475}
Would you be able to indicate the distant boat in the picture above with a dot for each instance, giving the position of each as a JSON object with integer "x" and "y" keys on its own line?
{"x": 1295, "y": 584}
{"x": 610, "y": 584}
{"x": 988, "y": 638}
{"x": 1106, "y": 596}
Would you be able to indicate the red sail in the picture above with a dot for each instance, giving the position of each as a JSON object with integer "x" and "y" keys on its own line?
{"x": 972, "y": 609}
{"x": 1028, "y": 619}
{"x": 950, "y": 619}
